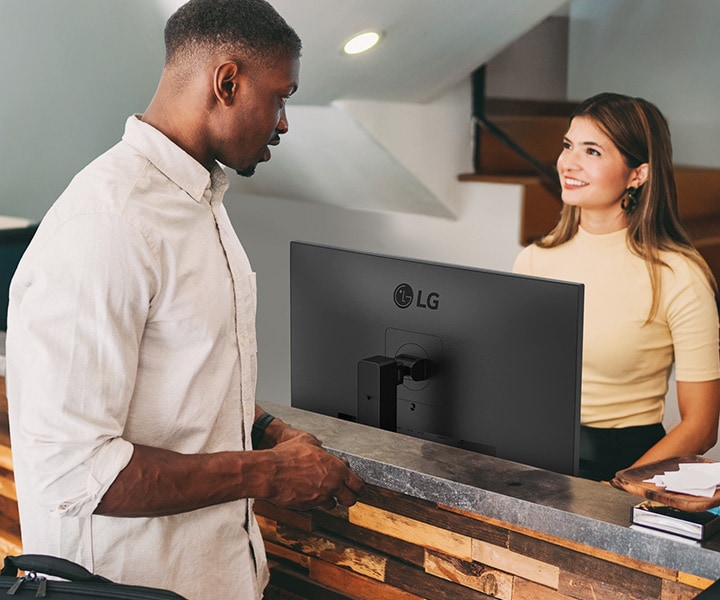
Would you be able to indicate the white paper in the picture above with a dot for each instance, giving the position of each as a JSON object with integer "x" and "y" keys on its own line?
{"x": 695, "y": 479}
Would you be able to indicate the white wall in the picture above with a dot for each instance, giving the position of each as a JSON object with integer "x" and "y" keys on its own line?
{"x": 663, "y": 50}
{"x": 71, "y": 71}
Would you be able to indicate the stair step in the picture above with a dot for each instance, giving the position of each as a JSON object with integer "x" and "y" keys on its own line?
{"x": 498, "y": 107}
{"x": 541, "y": 137}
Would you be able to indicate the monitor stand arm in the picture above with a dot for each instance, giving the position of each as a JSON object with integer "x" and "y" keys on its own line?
{"x": 378, "y": 379}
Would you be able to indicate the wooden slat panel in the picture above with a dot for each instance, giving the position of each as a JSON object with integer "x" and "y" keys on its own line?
{"x": 410, "y": 530}
{"x": 516, "y": 563}
{"x": 673, "y": 590}
{"x": 662, "y": 572}
{"x": 283, "y": 553}
{"x": 527, "y": 590}
{"x": 10, "y": 545}
{"x": 427, "y": 586}
{"x": 4, "y": 427}
{"x": 588, "y": 572}
{"x": 332, "y": 550}
{"x": 7, "y": 484}
{"x": 293, "y": 518}
{"x": 428, "y": 513}
{"x": 361, "y": 587}
{"x": 391, "y": 546}
{"x": 284, "y": 578}
{"x": 694, "y": 580}
{"x": 6, "y": 457}
{"x": 471, "y": 575}
{"x": 579, "y": 585}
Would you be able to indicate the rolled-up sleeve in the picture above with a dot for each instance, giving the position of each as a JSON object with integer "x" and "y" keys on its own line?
{"x": 78, "y": 313}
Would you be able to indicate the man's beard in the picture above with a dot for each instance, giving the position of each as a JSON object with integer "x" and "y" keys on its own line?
{"x": 246, "y": 172}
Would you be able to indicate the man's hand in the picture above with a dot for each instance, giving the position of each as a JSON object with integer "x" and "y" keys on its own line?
{"x": 302, "y": 475}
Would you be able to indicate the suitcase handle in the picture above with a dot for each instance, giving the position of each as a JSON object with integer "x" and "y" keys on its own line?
{"x": 49, "y": 565}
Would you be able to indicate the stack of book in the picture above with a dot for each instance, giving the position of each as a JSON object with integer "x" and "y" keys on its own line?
{"x": 684, "y": 526}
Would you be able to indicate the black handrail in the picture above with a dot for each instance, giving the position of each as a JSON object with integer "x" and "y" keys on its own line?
{"x": 548, "y": 174}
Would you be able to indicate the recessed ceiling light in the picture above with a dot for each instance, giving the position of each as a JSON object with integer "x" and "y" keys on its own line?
{"x": 361, "y": 42}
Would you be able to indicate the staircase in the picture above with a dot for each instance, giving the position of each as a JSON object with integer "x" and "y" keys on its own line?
{"x": 537, "y": 128}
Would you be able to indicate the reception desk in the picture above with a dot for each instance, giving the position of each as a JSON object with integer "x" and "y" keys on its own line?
{"x": 439, "y": 522}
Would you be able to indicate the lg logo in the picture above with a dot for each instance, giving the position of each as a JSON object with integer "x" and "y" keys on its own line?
{"x": 404, "y": 296}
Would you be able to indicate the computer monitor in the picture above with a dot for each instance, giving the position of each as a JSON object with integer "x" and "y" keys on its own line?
{"x": 483, "y": 360}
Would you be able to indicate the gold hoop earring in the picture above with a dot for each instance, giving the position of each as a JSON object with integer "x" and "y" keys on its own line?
{"x": 630, "y": 200}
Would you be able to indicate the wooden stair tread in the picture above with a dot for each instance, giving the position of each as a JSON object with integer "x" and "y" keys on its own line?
{"x": 493, "y": 178}
{"x": 496, "y": 107}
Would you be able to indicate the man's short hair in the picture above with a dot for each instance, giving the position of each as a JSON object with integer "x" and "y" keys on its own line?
{"x": 251, "y": 27}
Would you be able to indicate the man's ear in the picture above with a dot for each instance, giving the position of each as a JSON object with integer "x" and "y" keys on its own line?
{"x": 226, "y": 82}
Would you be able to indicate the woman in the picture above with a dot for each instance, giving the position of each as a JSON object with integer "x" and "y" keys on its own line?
{"x": 649, "y": 296}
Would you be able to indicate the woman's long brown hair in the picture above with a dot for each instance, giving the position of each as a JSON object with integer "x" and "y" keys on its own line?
{"x": 641, "y": 134}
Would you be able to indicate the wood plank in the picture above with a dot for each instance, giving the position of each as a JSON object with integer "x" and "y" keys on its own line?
{"x": 284, "y": 578}
{"x": 293, "y": 518}
{"x": 283, "y": 553}
{"x": 674, "y": 590}
{"x": 471, "y": 575}
{"x": 4, "y": 425}
{"x": 428, "y": 586}
{"x": 694, "y": 581}
{"x": 411, "y": 530}
{"x": 10, "y": 545}
{"x": 528, "y": 590}
{"x": 362, "y": 588}
{"x": 517, "y": 563}
{"x": 7, "y": 485}
{"x": 333, "y": 550}
{"x": 587, "y": 572}
{"x": 273, "y": 592}
{"x": 9, "y": 518}
{"x": 428, "y": 513}
{"x": 577, "y": 585}
{"x": 662, "y": 572}
{"x": 6, "y": 457}
{"x": 391, "y": 546}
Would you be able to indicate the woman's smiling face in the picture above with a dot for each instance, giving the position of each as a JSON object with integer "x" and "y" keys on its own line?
{"x": 593, "y": 173}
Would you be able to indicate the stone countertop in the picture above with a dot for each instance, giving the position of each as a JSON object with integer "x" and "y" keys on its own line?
{"x": 575, "y": 509}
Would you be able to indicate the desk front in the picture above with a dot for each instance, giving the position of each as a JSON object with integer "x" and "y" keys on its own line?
{"x": 439, "y": 522}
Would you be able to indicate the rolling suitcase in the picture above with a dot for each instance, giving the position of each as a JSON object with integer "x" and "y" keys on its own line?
{"x": 80, "y": 583}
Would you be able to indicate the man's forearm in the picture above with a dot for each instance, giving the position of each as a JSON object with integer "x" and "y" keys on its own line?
{"x": 160, "y": 482}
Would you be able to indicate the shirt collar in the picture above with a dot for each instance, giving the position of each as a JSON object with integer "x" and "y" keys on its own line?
{"x": 176, "y": 164}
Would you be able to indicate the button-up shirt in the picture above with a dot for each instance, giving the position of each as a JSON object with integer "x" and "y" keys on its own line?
{"x": 132, "y": 321}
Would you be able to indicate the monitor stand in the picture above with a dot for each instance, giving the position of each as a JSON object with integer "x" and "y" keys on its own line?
{"x": 378, "y": 379}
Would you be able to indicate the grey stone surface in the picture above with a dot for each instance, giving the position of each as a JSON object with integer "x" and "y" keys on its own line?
{"x": 575, "y": 509}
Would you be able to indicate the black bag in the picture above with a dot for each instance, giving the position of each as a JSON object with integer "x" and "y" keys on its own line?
{"x": 81, "y": 584}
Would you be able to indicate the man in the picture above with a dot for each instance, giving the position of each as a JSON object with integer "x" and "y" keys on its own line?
{"x": 131, "y": 339}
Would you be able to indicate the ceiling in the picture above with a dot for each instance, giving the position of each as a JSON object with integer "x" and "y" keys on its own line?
{"x": 428, "y": 47}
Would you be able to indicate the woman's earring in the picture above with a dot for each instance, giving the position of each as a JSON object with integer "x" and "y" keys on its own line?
{"x": 630, "y": 201}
